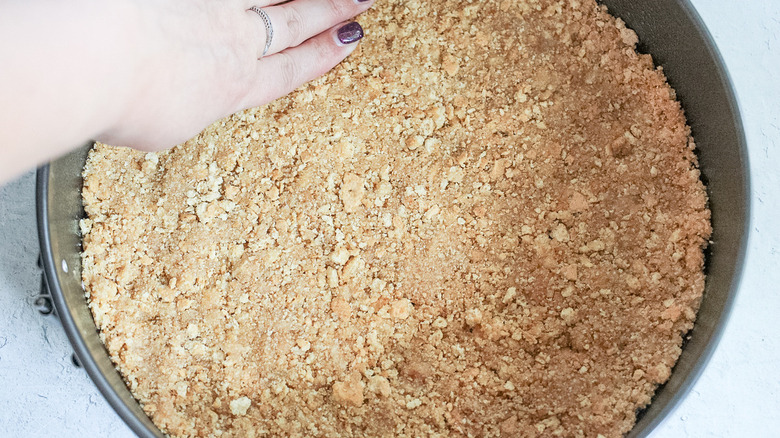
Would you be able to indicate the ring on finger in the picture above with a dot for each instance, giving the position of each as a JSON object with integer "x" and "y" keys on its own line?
{"x": 269, "y": 28}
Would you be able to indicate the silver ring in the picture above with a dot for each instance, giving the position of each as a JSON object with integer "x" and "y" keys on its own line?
{"x": 269, "y": 28}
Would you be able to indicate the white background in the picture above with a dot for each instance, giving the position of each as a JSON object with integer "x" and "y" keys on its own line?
{"x": 42, "y": 394}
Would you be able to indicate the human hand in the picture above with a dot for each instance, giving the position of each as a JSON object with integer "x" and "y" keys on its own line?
{"x": 198, "y": 61}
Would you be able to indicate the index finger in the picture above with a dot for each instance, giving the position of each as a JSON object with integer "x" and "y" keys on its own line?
{"x": 285, "y": 71}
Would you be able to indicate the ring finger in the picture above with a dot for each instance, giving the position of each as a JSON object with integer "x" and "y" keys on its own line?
{"x": 262, "y": 3}
{"x": 297, "y": 21}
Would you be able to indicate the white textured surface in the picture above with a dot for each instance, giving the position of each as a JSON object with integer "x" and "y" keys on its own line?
{"x": 42, "y": 394}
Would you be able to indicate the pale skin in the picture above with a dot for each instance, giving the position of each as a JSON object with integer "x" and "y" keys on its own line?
{"x": 150, "y": 74}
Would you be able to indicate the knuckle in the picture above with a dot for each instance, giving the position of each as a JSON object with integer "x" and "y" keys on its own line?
{"x": 295, "y": 26}
{"x": 341, "y": 9}
{"x": 330, "y": 54}
{"x": 325, "y": 48}
{"x": 290, "y": 71}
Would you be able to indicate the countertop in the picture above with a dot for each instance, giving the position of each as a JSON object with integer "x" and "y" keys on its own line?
{"x": 738, "y": 395}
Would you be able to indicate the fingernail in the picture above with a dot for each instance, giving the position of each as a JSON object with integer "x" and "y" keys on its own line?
{"x": 350, "y": 33}
{"x": 362, "y": 1}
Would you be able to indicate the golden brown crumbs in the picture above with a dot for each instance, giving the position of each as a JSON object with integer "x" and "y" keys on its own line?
{"x": 488, "y": 221}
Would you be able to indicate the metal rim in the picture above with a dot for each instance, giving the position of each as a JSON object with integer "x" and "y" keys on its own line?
{"x": 63, "y": 312}
{"x": 717, "y": 333}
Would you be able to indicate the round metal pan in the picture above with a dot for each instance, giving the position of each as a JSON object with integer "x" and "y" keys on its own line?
{"x": 669, "y": 30}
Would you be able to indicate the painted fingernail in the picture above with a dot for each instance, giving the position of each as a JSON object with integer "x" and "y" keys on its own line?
{"x": 350, "y": 33}
{"x": 362, "y": 1}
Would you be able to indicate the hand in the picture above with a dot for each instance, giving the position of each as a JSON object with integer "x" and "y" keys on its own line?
{"x": 200, "y": 60}
{"x": 150, "y": 74}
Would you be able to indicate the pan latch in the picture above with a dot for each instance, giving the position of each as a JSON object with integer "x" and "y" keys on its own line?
{"x": 44, "y": 304}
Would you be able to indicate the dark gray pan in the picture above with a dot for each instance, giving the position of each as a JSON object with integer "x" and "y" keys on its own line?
{"x": 670, "y": 30}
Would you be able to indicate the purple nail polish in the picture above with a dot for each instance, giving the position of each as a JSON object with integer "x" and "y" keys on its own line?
{"x": 350, "y": 33}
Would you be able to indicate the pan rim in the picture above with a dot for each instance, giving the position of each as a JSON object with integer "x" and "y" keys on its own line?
{"x": 77, "y": 341}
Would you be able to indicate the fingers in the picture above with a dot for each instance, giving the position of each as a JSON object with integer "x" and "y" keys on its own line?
{"x": 261, "y": 3}
{"x": 296, "y": 21}
{"x": 287, "y": 70}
